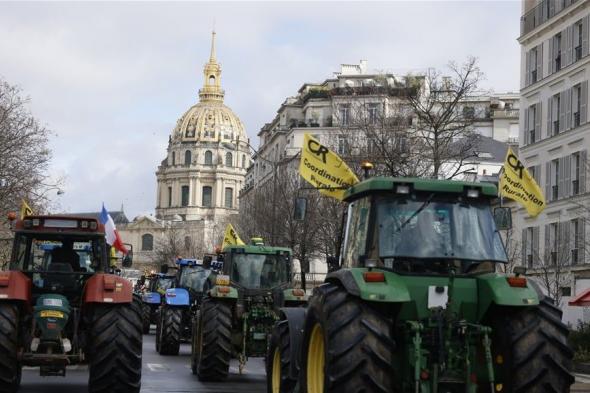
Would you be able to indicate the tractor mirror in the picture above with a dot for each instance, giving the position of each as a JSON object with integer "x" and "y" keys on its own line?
{"x": 164, "y": 269}
{"x": 503, "y": 218}
{"x": 127, "y": 260}
{"x": 333, "y": 264}
{"x": 207, "y": 259}
{"x": 300, "y": 209}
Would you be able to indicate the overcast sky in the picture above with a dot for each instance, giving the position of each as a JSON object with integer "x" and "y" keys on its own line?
{"x": 111, "y": 79}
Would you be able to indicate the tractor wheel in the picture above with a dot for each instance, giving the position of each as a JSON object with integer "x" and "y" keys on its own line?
{"x": 213, "y": 346}
{"x": 146, "y": 312}
{"x": 278, "y": 361}
{"x": 170, "y": 325}
{"x": 10, "y": 368}
{"x": 194, "y": 331}
{"x": 115, "y": 346}
{"x": 530, "y": 349}
{"x": 347, "y": 345}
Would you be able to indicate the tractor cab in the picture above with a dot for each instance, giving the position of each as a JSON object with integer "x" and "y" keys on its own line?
{"x": 409, "y": 227}
{"x": 258, "y": 267}
{"x": 59, "y": 254}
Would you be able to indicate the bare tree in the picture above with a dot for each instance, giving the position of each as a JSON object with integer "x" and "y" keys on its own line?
{"x": 176, "y": 242}
{"x": 440, "y": 118}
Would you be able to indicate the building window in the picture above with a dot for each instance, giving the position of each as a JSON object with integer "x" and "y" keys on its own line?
{"x": 244, "y": 161}
{"x": 373, "y": 113}
{"x": 185, "y": 194}
{"x": 468, "y": 112}
{"x": 169, "y": 196}
{"x": 207, "y": 191}
{"x": 533, "y": 67}
{"x": 566, "y": 291}
{"x": 555, "y": 180}
{"x": 575, "y": 162}
{"x": 228, "y": 159}
{"x": 555, "y": 114}
{"x": 553, "y": 243}
{"x": 575, "y": 225}
{"x": 577, "y": 104}
{"x": 229, "y": 198}
{"x": 147, "y": 242}
{"x": 208, "y": 158}
{"x": 341, "y": 145}
{"x": 529, "y": 246}
{"x": 173, "y": 158}
{"x": 578, "y": 40}
{"x": 344, "y": 112}
{"x": 557, "y": 52}
{"x": 187, "y": 158}
{"x": 532, "y": 118}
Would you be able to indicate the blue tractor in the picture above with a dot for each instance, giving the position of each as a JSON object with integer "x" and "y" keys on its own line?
{"x": 153, "y": 289}
{"x": 180, "y": 304}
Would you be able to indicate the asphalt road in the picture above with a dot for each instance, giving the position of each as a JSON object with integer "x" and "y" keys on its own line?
{"x": 160, "y": 374}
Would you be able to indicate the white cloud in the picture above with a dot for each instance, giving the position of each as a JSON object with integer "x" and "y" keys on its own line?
{"x": 112, "y": 78}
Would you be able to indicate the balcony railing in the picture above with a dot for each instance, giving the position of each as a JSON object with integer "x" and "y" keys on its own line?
{"x": 540, "y": 14}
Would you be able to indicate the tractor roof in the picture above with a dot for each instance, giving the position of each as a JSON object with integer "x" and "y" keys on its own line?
{"x": 59, "y": 223}
{"x": 377, "y": 184}
{"x": 252, "y": 249}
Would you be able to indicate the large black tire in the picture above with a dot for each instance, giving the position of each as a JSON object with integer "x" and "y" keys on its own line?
{"x": 170, "y": 325}
{"x": 358, "y": 347}
{"x": 532, "y": 346}
{"x": 115, "y": 346}
{"x": 146, "y": 313}
{"x": 213, "y": 346}
{"x": 10, "y": 368}
{"x": 279, "y": 351}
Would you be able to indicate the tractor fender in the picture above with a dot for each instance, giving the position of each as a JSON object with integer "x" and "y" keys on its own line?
{"x": 494, "y": 289}
{"x": 177, "y": 297}
{"x": 108, "y": 288}
{"x": 392, "y": 290}
{"x": 295, "y": 317}
{"x": 15, "y": 285}
{"x": 151, "y": 298}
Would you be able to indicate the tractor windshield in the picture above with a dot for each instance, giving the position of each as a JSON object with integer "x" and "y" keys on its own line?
{"x": 163, "y": 283}
{"x": 256, "y": 271}
{"x": 437, "y": 229}
{"x": 194, "y": 278}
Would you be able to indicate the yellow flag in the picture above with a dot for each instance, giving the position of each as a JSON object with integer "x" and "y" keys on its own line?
{"x": 25, "y": 209}
{"x": 517, "y": 183}
{"x": 324, "y": 169}
{"x": 231, "y": 237}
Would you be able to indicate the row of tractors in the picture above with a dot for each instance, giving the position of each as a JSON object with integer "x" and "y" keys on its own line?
{"x": 417, "y": 300}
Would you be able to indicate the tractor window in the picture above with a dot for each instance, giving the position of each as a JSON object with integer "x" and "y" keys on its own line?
{"x": 256, "y": 271}
{"x": 163, "y": 283}
{"x": 422, "y": 228}
{"x": 357, "y": 231}
{"x": 194, "y": 278}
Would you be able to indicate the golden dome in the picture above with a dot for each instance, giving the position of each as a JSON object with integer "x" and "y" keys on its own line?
{"x": 210, "y": 119}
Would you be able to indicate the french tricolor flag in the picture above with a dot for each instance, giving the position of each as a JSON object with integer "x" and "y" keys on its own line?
{"x": 113, "y": 238}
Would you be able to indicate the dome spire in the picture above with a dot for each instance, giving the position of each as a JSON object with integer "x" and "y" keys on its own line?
{"x": 212, "y": 58}
{"x": 212, "y": 90}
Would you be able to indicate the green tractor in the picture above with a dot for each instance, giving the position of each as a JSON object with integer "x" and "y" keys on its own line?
{"x": 241, "y": 306}
{"x": 420, "y": 303}
{"x": 60, "y": 305}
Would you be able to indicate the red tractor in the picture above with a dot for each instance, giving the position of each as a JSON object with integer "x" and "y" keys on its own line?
{"x": 60, "y": 305}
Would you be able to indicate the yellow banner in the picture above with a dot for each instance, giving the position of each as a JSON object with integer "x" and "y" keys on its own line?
{"x": 324, "y": 169}
{"x": 25, "y": 209}
{"x": 231, "y": 237}
{"x": 517, "y": 183}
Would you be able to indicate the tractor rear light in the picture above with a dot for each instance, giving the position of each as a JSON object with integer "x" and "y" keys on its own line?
{"x": 374, "y": 277}
{"x": 109, "y": 284}
{"x": 28, "y": 223}
{"x": 473, "y": 193}
{"x": 402, "y": 189}
{"x": 4, "y": 280}
{"x": 298, "y": 292}
{"x": 84, "y": 224}
{"x": 517, "y": 282}
{"x": 424, "y": 375}
{"x": 36, "y": 222}
{"x": 223, "y": 289}
{"x": 93, "y": 225}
